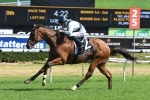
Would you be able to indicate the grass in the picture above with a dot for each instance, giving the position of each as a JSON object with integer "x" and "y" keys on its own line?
{"x": 136, "y": 88}
{"x": 64, "y": 77}
{"x": 4, "y": 1}
{"x": 124, "y": 4}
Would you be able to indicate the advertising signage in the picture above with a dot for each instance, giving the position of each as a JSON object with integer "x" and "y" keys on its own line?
{"x": 127, "y": 43}
{"x": 18, "y": 43}
{"x": 142, "y": 32}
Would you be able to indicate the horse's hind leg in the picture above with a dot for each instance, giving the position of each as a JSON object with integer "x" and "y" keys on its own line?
{"x": 104, "y": 71}
{"x": 36, "y": 75}
{"x": 91, "y": 69}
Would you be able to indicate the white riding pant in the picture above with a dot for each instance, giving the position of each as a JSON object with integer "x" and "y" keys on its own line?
{"x": 80, "y": 33}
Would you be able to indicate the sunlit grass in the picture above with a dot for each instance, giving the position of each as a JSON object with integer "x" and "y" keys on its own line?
{"x": 4, "y": 1}
{"x": 12, "y": 76}
{"x": 135, "y": 88}
{"x": 124, "y": 4}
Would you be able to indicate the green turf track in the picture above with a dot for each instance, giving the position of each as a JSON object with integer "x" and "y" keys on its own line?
{"x": 143, "y": 4}
{"x": 125, "y": 4}
{"x": 5, "y": 1}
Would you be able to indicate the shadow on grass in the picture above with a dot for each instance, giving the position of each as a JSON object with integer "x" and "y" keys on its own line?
{"x": 33, "y": 89}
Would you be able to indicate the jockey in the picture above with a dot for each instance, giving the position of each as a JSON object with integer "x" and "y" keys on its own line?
{"x": 73, "y": 29}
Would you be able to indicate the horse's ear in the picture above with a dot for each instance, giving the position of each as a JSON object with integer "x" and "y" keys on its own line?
{"x": 34, "y": 25}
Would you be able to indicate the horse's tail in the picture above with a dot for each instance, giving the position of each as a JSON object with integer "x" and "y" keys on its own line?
{"x": 115, "y": 50}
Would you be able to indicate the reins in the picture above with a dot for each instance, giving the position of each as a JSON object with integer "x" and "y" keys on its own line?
{"x": 45, "y": 38}
{"x": 51, "y": 36}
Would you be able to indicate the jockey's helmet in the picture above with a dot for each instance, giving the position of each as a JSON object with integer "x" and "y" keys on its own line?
{"x": 62, "y": 19}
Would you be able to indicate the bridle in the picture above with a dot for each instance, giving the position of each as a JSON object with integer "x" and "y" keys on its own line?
{"x": 45, "y": 38}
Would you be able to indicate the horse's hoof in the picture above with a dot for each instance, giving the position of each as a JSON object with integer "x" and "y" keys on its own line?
{"x": 74, "y": 88}
{"x": 27, "y": 81}
{"x": 43, "y": 83}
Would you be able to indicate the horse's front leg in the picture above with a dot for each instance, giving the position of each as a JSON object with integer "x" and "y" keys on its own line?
{"x": 36, "y": 75}
{"x": 45, "y": 75}
{"x": 57, "y": 61}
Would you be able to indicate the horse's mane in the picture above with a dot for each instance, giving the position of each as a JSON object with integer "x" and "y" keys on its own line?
{"x": 41, "y": 25}
{"x": 38, "y": 25}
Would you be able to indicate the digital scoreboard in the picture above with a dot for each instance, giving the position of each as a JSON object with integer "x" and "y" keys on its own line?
{"x": 18, "y": 15}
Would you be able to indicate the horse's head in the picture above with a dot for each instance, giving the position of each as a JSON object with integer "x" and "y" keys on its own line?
{"x": 40, "y": 32}
{"x": 35, "y": 36}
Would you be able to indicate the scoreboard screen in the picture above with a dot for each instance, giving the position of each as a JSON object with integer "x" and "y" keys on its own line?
{"x": 18, "y": 15}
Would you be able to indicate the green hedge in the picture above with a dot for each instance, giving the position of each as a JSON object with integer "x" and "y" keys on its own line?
{"x": 41, "y": 56}
{"x": 22, "y": 56}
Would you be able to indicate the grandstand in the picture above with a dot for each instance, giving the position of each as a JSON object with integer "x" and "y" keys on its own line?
{"x": 15, "y": 2}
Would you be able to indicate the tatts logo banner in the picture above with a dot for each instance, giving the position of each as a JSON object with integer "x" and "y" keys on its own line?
{"x": 19, "y": 43}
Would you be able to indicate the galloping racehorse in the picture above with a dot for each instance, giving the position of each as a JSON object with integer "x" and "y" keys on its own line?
{"x": 62, "y": 52}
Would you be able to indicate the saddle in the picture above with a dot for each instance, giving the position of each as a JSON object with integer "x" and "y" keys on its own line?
{"x": 87, "y": 46}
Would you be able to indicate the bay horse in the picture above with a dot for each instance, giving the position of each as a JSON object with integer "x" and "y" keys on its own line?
{"x": 62, "y": 52}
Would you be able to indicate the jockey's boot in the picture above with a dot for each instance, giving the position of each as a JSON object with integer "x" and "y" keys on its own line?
{"x": 77, "y": 41}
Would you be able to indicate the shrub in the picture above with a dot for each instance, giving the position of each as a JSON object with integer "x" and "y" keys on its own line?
{"x": 22, "y": 56}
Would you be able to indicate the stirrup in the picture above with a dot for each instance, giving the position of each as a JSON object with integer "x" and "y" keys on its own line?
{"x": 81, "y": 46}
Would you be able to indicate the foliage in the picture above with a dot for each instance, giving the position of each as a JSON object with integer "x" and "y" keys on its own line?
{"x": 4, "y": 1}
{"x": 122, "y": 4}
{"x": 22, "y": 56}
{"x": 41, "y": 56}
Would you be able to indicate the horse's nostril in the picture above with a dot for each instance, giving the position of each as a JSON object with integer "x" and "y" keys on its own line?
{"x": 27, "y": 46}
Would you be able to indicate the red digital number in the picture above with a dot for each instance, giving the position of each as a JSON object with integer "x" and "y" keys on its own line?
{"x": 134, "y": 22}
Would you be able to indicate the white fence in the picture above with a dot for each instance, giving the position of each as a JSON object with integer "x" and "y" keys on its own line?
{"x": 22, "y": 50}
{"x": 119, "y": 60}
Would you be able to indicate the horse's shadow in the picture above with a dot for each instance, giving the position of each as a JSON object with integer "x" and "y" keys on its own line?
{"x": 33, "y": 89}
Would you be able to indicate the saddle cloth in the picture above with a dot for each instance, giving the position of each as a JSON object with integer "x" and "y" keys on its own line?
{"x": 87, "y": 46}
